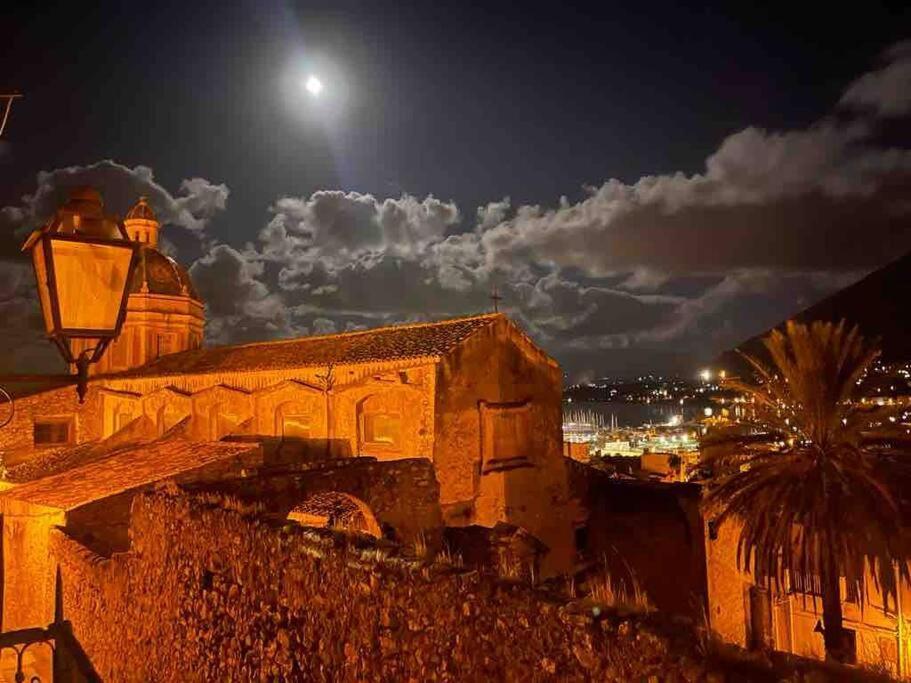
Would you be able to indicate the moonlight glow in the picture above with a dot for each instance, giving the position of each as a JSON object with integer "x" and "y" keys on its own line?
{"x": 314, "y": 86}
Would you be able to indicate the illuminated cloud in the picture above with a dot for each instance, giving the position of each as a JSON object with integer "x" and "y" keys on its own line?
{"x": 633, "y": 276}
{"x": 886, "y": 91}
{"x": 194, "y": 205}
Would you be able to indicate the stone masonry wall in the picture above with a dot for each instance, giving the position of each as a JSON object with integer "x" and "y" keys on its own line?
{"x": 212, "y": 593}
{"x": 403, "y": 495}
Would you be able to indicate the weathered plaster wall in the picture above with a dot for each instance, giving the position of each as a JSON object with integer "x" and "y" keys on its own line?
{"x": 246, "y": 404}
{"x": 651, "y": 530}
{"x": 728, "y": 586}
{"x": 28, "y": 578}
{"x": 499, "y": 366}
{"x": 256, "y": 602}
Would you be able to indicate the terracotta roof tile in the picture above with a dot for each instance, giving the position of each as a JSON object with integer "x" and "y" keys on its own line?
{"x": 396, "y": 342}
{"x": 124, "y": 470}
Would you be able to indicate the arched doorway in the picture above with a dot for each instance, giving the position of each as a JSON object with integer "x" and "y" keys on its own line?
{"x": 336, "y": 510}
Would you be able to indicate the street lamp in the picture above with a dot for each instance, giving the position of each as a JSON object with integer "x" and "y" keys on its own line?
{"x": 83, "y": 262}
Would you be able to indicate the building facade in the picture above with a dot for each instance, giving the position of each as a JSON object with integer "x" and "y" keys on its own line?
{"x": 473, "y": 395}
{"x": 789, "y": 619}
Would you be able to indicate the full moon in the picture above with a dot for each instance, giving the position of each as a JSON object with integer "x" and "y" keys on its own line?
{"x": 314, "y": 86}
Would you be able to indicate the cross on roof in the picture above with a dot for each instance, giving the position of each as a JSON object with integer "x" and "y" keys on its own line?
{"x": 496, "y": 298}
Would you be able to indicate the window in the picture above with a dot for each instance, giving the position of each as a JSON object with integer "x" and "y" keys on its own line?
{"x": 806, "y": 584}
{"x": 385, "y": 425}
{"x": 505, "y": 435}
{"x": 53, "y": 431}
{"x": 852, "y": 594}
{"x": 166, "y": 344}
{"x": 382, "y": 428}
{"x": 221, "y": 423}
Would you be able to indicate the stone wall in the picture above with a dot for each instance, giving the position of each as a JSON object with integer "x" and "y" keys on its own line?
{"x": 211, "y": 593}
{"x": 651, "y": 530}
{"x": 403, "y": 495}
{"x": 499, "y": 369}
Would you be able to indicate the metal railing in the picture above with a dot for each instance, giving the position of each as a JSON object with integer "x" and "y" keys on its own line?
{"x": 69, "y": 663}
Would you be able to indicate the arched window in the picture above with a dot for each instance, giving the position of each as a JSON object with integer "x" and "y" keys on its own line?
{"x": 292, "y": 421}
{"x": 336, "y": 510}
{"x": 380, "y": 418}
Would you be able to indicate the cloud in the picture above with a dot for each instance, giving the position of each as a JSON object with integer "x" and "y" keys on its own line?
{"x": 25, "y": 348}
{"x": 651, "y": 274}
{"x": 195, "y": 204}
{"x": 339, "y": 228}
{"x": 887, "y": 91}
{"x": 765, "y": 199}
{"x": 674, "y": 265}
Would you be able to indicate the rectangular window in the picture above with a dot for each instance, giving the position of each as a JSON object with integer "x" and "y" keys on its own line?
{"x": 123, "y": 419}
{"x": 382, "y": 428}
{"x": 53, "y": 431}
{"x": 505, "y": 435}
{"x": 851, "y": 593}
{"x": 166, "y": 344}
{"x": 806, "y": 584}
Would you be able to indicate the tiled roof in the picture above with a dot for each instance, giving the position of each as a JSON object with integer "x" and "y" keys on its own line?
{"x": 124, "y": 470}
{"x": 397, "y": 342}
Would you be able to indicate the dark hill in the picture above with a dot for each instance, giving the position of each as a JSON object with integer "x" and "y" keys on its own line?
{"x": 880, "y": 304}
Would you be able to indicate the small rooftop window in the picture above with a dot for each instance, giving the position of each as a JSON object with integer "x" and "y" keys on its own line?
{"x": 56, "y": 431}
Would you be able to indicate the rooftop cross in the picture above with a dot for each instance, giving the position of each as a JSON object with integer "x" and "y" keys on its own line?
{"x": 496, "y": 298}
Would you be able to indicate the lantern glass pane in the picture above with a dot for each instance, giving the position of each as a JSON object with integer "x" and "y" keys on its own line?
{"x": 43, "y": 292}
{"x": 90, "y": 280}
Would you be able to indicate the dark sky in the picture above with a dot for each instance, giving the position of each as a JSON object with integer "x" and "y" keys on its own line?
{"x": 719, "y": 167}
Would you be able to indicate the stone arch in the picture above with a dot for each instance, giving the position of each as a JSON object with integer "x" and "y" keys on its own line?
{"x": 304, "y": 404}
{"x": 336, "y": 510}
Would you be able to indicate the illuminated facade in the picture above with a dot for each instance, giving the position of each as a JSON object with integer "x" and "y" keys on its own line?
{"x": 455, "y": 423}
{"x": 789, "y": 619}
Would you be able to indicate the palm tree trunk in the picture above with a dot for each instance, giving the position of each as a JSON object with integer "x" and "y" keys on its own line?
{"x": 833, "y": 633}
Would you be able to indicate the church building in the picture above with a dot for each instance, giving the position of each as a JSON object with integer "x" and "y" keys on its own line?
{"x": 473, "y": 396}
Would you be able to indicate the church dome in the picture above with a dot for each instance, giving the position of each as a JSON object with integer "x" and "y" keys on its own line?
{"x": 159, "y": 274}
{"x": 142, "y": 211}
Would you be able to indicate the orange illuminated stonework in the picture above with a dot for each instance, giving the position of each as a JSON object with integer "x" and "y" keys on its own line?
{"x": 399, "y": 432}
{"x": 474, "y": 396}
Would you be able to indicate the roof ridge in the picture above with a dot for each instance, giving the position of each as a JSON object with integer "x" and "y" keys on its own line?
{"x": 354, "y": 333}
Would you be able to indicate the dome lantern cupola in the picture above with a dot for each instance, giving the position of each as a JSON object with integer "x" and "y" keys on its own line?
{"x": 141, "y": 224}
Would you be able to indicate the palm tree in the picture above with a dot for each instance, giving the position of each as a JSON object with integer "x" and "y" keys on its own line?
{"x": 817, "y": 499}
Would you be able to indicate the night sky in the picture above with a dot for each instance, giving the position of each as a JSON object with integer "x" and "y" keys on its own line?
{"x": 646, "y": 183}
